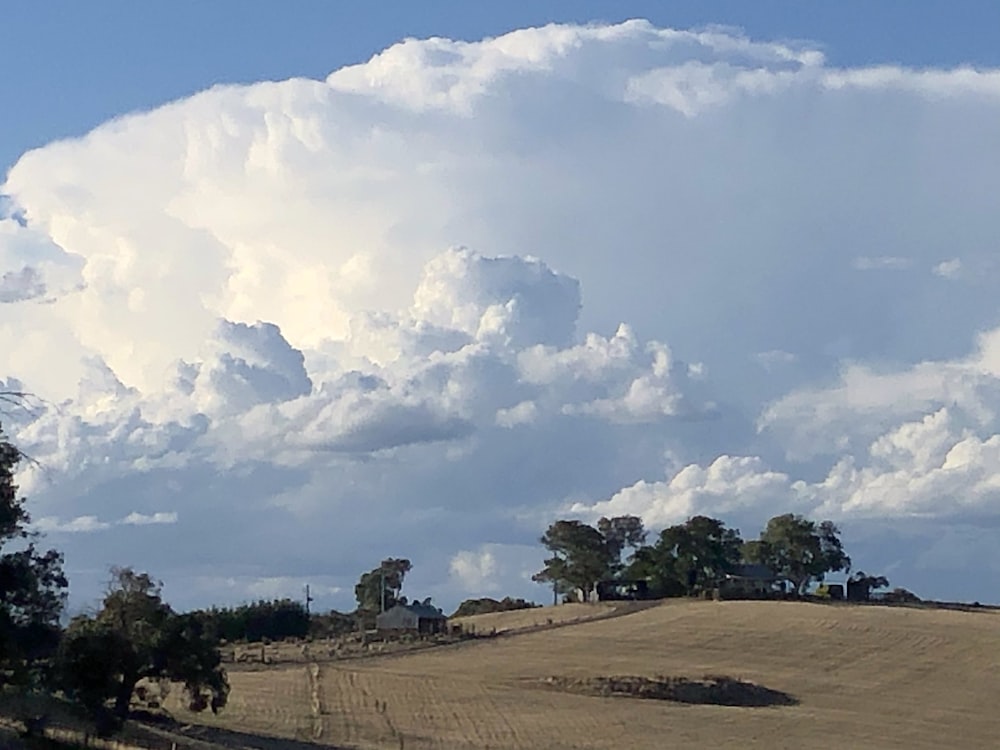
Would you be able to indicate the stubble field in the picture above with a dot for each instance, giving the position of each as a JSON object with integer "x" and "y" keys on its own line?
{"x": 863, "y": 676}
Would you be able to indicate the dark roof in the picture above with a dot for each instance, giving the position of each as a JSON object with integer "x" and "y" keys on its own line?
{"x": 425, "y": 611}
{"x": 753, "y": 570}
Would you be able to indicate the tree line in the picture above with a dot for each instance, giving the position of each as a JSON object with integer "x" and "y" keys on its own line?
{"x": 98, "y": 660}
{"x": 690, "y": 557}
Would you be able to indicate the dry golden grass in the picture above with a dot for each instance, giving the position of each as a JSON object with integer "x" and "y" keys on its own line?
{"x": 866, "y": 677}
{"x": 523, "y": 619}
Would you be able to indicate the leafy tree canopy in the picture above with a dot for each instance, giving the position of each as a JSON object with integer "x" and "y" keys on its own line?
{"x": 32, "y": 587}
{"x": 688, "y": 557}
{"x": 382, "y": 585}
{"x": 136, "y": 636}
{"x": 580, "y": 556}
{"x": 486, "y": 605}
{"x": 275, "y": 620}
{"x": 620, "y": 532}
{"x": 800, "y": 550}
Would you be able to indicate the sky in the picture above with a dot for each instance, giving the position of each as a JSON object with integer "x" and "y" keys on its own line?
{"x": 297, "y": 292}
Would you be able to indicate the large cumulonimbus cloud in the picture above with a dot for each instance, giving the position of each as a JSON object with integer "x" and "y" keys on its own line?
{"x": 280, "y": 331}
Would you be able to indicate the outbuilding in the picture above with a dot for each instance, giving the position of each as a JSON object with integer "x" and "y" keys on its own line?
{"x": 418, "y": 617}
{"x": 748, "y": 581}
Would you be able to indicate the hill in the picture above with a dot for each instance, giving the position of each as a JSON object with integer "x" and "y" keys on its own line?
{"x": 872, "y": 677}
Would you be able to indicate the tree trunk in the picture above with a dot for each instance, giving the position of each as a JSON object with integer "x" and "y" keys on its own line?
{"x": 124, "y": 697}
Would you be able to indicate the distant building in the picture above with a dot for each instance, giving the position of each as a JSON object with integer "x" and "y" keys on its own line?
{"x": 622, "y": 590}
{"x": 422, "y": 618}
{"x": 749, "y": 581}
{"x": 836, "y": 591}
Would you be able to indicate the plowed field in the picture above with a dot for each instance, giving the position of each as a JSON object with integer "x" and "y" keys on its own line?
{"x": 864, "y": 677}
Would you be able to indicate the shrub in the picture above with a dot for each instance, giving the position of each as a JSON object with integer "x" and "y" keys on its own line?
{"x": 486, "y": 605}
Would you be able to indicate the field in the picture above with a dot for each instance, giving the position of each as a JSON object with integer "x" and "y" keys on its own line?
{"x": 863, "y": 676}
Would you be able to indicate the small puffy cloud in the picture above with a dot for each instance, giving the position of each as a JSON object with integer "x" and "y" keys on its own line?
{"x": 494, "y": 569}
{"x": 141, "y": 519}
{"x": 475, "y": 570}
{"x": 82, "y": 524}
{"x": 78, "y": 525}
{"x": 949, "y": 269}
{"x": 522, "y": 413}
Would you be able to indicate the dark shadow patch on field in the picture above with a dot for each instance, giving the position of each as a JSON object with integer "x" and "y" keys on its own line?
{"x": 712, "y": 690}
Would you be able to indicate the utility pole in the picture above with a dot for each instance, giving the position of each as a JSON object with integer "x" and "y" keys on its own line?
{"x": 308, "y": 600}
{"x": 381, "y": 589}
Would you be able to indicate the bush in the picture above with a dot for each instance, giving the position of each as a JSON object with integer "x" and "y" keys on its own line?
{"x": 332, "y": 624}
{"x": 900, "y": 596}
{"x": 487, "y": 605}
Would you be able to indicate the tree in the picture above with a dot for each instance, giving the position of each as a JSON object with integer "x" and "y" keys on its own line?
{"x": 32, "y": 587}
{"x": 860, "y": 585}
{"x": 137, "y": 636}
{"x": 690, "y": 556}
{"x": 486, "y": 605}
{"x": 799, "y": 550}
{"x": 275, "y": 620}
{"x": 620, "y": 532}
{"x": 581, "y": 556}
{"x": 379, "y": 589}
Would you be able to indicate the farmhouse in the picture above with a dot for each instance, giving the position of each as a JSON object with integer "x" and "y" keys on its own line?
{"x": 412, "y": 618}
{"x": 748, "y": 581}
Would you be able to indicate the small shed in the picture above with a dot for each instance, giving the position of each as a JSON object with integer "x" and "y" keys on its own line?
{"x": 748, "y": 581}
{"x": 422, "y": 618}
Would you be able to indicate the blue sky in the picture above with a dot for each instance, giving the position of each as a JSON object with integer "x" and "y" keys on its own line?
{"x": 430, "y": 296}
{"x": 73, "y": 65}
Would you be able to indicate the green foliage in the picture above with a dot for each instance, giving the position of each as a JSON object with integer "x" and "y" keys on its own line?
{"x": 688, "y": 557}
{"x": 901, "y": 596}
{"x": 582, "y": 555}
{"x": 382, "y": 585}
{"x": 274, "y": 620}
{"x": 620, "y": 532}
{"x": 799, "y": 550}
{"x": 580, "y": 558}
{"x": 332, "y": 624}
{"x": 32, "y": 588}
{"x": 92, "y": 659}
{"x": 137, "y": 636}
{"x": 485, "y": 605}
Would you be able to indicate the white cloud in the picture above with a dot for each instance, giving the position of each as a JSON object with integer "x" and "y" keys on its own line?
{"x": 729, "y": 484}
{"x": 949, "y": 269}
{"x": 493, "y": 569}
{"x": 522, "y": 413}
{"x": 81, "y": 524}
{"x": 139, "y": 519}
{"x": 475, "y": 570}
{"x": 273, "y": 337}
